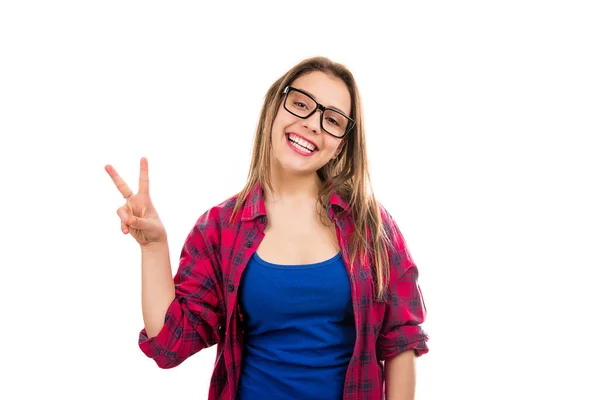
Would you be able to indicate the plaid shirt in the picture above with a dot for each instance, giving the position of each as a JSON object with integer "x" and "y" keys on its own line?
{"x": 206, "y": 311}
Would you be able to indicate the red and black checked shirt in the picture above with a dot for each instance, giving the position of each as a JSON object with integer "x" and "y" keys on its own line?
{"x": 206, "y": 312}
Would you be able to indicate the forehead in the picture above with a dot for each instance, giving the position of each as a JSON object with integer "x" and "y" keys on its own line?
{"x": 326, "y": 89}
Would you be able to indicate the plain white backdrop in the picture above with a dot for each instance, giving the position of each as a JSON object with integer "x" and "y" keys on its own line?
{"x": 482, "y": 118}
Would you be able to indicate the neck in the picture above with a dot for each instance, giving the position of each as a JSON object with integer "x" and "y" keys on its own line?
{"x": 293, "y": 187}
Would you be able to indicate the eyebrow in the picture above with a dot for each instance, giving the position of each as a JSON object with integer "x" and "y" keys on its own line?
{"x": 332, "y": 107}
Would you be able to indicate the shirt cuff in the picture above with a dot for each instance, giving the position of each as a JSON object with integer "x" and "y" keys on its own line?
{"x": 159, "y": 347}
{"x": 405, "y": 338}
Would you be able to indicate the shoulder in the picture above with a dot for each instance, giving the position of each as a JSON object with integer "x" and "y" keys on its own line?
{"x": 218, "y": 215}
{"x": 387, "y": 222}
{"x": 215, "y": 220}
{"x": 399, "y": 254}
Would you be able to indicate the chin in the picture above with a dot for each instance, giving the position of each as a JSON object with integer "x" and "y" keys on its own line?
{"x": 296, "y": 168}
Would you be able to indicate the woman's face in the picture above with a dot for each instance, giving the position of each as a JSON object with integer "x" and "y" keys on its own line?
{"x": 300, "y": 145}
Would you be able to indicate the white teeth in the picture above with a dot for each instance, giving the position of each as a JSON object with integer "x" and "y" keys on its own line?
{"x": 302, "y": 142}
{"x": 302, "y": 149}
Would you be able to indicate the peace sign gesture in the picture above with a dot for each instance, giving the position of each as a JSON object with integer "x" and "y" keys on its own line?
{"x": 138, "y": 215}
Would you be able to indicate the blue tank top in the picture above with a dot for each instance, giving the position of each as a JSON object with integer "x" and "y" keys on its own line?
{"x": 299, "y": 330}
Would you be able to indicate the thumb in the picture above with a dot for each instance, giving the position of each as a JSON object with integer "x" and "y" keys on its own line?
{"x": 137, "y": 222}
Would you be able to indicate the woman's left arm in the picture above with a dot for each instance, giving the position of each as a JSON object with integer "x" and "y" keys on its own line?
{"x": 401, "y": 339}
{"x": 400, "y": 378}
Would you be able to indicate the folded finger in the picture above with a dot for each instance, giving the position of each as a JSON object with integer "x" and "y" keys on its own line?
{"x": 123, "y": 215}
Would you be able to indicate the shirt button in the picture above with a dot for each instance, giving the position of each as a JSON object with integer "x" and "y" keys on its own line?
{"x": 248, "y": 243}
{"x": 230, "y": 288}
{"x": 262, "y": 219}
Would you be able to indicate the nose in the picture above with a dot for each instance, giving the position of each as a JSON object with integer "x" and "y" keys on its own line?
{"x": 313, "y": 122}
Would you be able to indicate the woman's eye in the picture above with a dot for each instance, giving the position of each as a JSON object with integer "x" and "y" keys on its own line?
{"x": 300, "y": 104}
{"x": 332, "y": 121}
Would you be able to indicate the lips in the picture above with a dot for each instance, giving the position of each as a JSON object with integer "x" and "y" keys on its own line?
{"x": 301, "y": 142}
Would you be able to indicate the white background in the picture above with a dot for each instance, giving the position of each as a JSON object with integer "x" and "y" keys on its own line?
{"x": 482, "y": 121}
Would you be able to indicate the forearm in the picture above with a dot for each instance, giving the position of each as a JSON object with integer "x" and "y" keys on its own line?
{"x": 400, "y": 376}
{"x": 158, "y": 289}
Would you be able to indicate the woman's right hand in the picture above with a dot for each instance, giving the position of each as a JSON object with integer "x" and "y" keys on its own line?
{"x": 138, "y": 215}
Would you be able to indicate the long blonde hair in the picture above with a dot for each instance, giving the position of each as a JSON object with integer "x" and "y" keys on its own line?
{"x": 347, "y": 174}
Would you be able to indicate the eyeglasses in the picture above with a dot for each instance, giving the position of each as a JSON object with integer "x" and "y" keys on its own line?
{"x": 301, "y": 104}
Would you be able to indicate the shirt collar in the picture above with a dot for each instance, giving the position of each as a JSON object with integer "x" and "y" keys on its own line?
{"x": 337, "y": 200}
{"x": 254, "y": 205}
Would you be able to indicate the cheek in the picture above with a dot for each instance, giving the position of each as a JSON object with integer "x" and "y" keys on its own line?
{"x": 331, "y": 144}
{"x": 280, "y": 123}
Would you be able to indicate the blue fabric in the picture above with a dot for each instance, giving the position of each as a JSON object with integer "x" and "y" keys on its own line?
{"x": 299, "y": 330}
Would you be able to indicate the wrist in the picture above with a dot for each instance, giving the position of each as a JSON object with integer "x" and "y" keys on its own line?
{"x": 154, "y": 247}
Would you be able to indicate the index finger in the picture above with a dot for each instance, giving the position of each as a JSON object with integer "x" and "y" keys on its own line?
{"x": 119, "y": 182}
{"x": 144, "y": 185}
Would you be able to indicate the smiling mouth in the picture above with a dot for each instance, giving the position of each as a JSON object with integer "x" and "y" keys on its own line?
{"x": 300, "y": 143}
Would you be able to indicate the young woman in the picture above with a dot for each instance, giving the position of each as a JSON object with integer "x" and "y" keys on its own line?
{"x": 302, "y": 279}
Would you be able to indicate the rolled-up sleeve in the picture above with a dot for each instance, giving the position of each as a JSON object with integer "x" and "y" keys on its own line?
{"x": 193, "y": 319}
{"x": 405, "y": 309}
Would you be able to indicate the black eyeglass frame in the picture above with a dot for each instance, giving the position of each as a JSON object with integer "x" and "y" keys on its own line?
{"x": 319, "y": 106}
